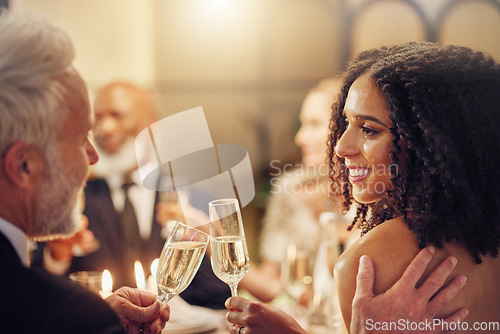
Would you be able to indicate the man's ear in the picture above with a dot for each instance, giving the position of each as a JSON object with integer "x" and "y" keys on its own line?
{"x": 22, "y": 164}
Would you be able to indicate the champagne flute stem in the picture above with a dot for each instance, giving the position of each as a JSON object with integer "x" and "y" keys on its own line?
{"x": 164, "y": 298}
{"x": 234, "y": 289}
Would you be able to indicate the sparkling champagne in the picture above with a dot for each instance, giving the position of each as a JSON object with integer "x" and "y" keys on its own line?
{"x": 296, "y": 271}
{"x": 178, "y": 266}
{"x": 229, "y": 258}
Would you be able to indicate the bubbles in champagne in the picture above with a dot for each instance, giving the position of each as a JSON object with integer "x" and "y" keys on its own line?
{"x": 178, "y": 265}
{"x": 229, "y": 258}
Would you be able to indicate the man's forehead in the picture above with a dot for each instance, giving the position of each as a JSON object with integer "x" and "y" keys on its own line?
{"x": 116, "y": 97}
{"x": 76, "y": 95}
{"x": 73, "y": 82}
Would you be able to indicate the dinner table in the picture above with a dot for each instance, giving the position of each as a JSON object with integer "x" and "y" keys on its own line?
{"x": 191, "y": 319}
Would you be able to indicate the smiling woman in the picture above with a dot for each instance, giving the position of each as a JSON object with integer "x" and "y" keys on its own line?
{"x": 412, "y": 123}
{"x": 367, "y": 142}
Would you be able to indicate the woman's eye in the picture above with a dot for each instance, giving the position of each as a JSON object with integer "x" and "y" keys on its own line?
{"x": 368, "y": 132}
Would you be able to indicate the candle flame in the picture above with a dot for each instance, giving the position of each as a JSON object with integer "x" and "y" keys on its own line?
{"x": 154, "y": 267}
{"x": 107, "y": 281}
{"x": 139, "y": 275}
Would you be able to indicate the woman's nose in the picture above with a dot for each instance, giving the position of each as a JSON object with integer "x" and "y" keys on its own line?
{"x": 346, "y": 145}
{"x": 299, "y": 137}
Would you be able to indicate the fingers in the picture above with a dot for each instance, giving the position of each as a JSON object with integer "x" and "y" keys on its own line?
{"x": 437, "y": 278}
{"x": 147, "y": 298}
{"x": 146, "y": 314}
{"x": 447, "y": 294}
{"x": 138, "y": 307}
{"x": 165, "y": 313}
{"x": 416, "y": 268}
{"x": 459, "y": 315}
{"x": 236, "y": 303}
{"x": 234, "y": 329}
{"x": 365, "y": 278}
{"x": 241, "y": 310}
{"x": 157, "y": 325}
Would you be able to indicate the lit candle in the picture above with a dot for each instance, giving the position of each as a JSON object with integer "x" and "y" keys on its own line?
{"x": 107, "y": 284}
{"x": 154, "y": 267}
{"x": 139, "y": 276}
{"x": 151, "y": 281}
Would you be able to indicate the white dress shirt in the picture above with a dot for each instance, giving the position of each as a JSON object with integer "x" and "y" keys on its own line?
{"x": 18, "y": 239}
{"x": 142, "y": 199}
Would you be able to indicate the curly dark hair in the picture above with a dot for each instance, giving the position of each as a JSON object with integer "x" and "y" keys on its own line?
{"x": 444, "y": 102}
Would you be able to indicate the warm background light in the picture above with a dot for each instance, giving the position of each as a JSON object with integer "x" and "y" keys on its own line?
{"x": 107, "y": 281}
{"x": 139, "y": 275}
{"x": 154, "y": 267}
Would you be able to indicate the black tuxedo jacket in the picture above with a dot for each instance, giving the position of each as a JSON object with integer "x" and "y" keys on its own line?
{"x": 35, "y": 302}
{"x": 104, "y": 222}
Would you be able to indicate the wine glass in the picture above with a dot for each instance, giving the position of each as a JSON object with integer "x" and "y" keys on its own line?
{"x": 172, "y": 202}
{"x": 229, "y": 256}
{"x": 179, "y": 261}
{"x": 297, "y": 271}
{"x": 324, "y": 312}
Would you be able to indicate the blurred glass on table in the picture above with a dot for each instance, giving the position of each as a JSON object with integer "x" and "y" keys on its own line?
{"x": 91, "y": 280}
{"x": 324, "y": 312}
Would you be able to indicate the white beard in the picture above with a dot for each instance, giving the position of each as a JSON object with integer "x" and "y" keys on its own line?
{"x": 119, "y": 163}
{"x": 56, "y": 211}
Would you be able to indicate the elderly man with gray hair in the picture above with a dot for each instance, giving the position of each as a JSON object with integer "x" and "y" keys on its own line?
{"x": 45, "y": 155}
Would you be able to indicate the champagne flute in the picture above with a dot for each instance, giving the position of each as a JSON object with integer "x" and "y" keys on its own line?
{"x": 229, "y": 256}
{"x": 171, "y": 202}
{"x": 179, "y": 260}
{"x": 297, "y": 271}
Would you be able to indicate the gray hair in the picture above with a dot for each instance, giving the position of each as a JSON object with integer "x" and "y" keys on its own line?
{"x": 33, "y": 55}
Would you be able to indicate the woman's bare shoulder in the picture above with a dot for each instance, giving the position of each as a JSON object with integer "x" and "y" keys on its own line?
{"x": 391, "y": 246}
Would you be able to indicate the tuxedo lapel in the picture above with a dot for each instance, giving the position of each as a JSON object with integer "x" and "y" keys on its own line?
{"x": 100, "y": 207}
{"x": 8, "y": 254}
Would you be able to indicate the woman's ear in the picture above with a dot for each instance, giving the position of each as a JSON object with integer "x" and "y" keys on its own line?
{"x": 22, "y": 164}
